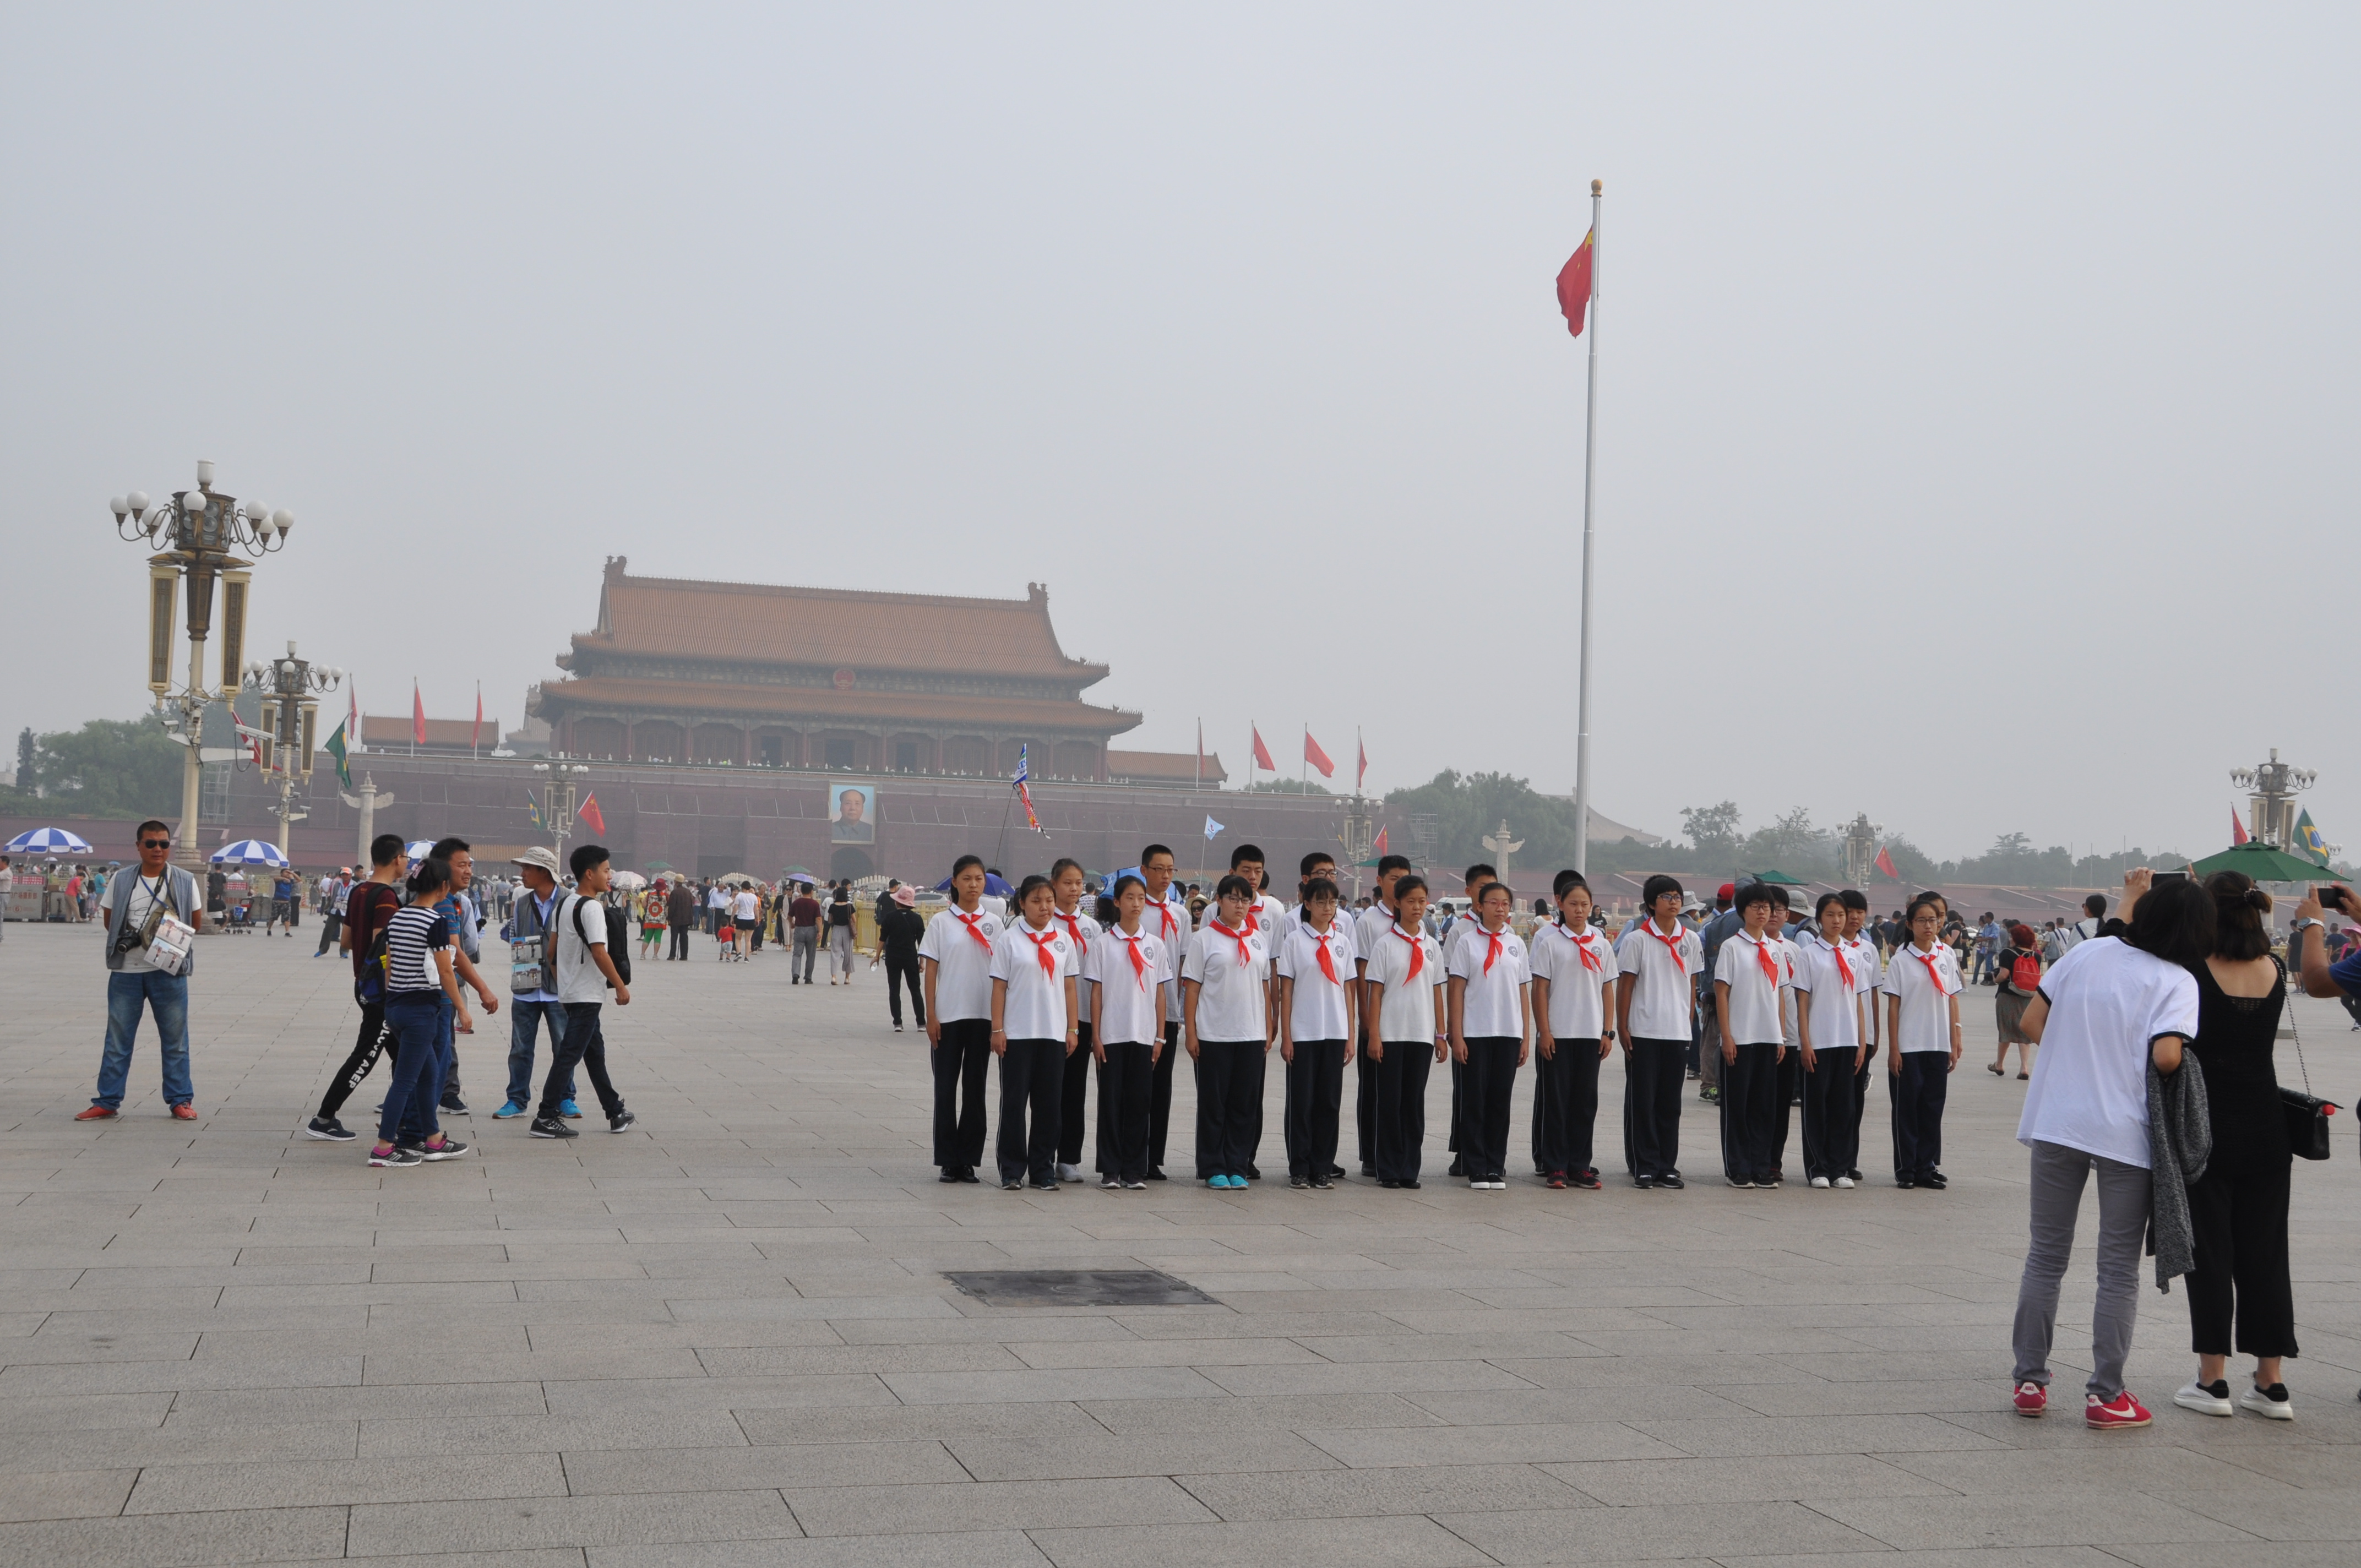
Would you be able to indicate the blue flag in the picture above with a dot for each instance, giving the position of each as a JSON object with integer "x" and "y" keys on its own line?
{"x": 1211, "y": 828}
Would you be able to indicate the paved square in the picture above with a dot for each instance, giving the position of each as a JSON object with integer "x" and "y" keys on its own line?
{"x": 725, "y": 1337}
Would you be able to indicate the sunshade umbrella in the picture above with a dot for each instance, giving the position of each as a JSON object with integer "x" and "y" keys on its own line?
{"x": 796, "y": 873}
{"x": 996, "y": 886}
{"x": 628, "y": 882}
{"x": 659, "y": 865}
{"x": 736, "y": 879}
{"x": 2264, "y": 863}
{"x": 1774, "y": 875}
{"x": 416, "y": 849}
{"x": 248, "y": 852}
{"x": 47, "y": 841}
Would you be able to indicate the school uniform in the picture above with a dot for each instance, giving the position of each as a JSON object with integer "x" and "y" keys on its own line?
{"x": 1924, "y": 982}
{"x": 1461, "y": 924}
{"x": 1757, "y": 973}
{"x": 1074, "y": 1089}
{"x": 1869, "y": 963}
{"x": 1409, "y": 965}
{"x": 961, "y": 947}
{"x": 1369, "y": 927}
{"x": 1319, "y": 966}
{"x": 1663, "y": 1005}
{"x": 1830, "y": 987}
{"x": 1034, "y": 966}
{"x": 1167, "y": 922}
{"x": 1790, "y": 1069}
{"x": 1494, "y": 969}
{"x": 1232, "y": 969}
{"x": 1268, "y": 915}
{"x": 1576, "y": 963}
{"x": 1128, "y": 985}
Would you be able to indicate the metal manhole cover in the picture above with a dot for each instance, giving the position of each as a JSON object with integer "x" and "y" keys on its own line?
{"x": 1079, "y": 1288}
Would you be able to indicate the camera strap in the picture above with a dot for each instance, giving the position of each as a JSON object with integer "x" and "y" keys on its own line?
{"x": 158, "y": 906}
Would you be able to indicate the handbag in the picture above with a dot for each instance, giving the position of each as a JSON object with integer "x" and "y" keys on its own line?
{"x": 2307, "y": 1114}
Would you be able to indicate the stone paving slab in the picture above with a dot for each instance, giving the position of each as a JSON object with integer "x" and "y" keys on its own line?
{"x": 724, "y": 1339}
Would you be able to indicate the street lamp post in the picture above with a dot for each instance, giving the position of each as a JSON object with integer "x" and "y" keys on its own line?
{"x": 290, "y": 725}
{"x": 559, "y": 773}
{"x": 1860, "y": 849}
{"x": 2272, "y": 787}
{"x": 196, "y": 536}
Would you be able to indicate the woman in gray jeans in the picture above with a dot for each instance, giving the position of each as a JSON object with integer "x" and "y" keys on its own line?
{"x": 2107, "y": 1009}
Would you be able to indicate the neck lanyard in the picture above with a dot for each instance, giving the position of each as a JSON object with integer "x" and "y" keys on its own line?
{"x": 1041, "y": 941}
{"x": 1238, "y": 937}
{"x": 971, "y": 922}
{"x": 1417, "y": 952}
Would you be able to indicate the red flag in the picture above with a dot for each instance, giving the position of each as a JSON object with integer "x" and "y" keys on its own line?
{"x": 1380, "y": 846}
{"x": 417, "y": 714}
{"x": 2237, "y": 828}
{"x": 1316, "y": 757}
{"x": 1201, "y": 751}
{"x": 1361, "y": 767}
{"x": 1574, "y": 288}
{"x": 1261, "y": 752}
{"x": 477, "y": 733}
{"x": 1885, "y": 863}
{"x": 590, "y": 814}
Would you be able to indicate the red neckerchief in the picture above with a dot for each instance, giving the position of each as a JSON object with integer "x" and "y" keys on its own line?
{"x": 971, "y": 922}
{"x": 1495, "y": 951}
{"x": 1762, "y": 956}
{"x": 1238, "y": 937}
{"x": 1164, "y": 912}
{"x": 1581, "y": 947}
{"x": 1672, "y": 943}
{"x": 1041, "y": 948}
{"x": 1327, "y": 964}
{"x": 1131, "y": 945}
{"x": 1844, "y": 970}
{"x": 1933, "y": 973}
{"x": 1074, "y": 929}
{"x": 1417, "y": 952}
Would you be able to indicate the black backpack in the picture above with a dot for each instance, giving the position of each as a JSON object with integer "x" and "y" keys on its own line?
{"x": 619, "y": 937}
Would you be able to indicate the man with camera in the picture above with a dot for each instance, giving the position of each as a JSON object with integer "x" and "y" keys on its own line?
{"x": 151, "y": 916}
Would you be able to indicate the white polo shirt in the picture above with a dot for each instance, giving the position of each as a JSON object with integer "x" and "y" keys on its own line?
{"x": 1662, "y": 1000}
{"x": 1167, "y": 922}
{"x": 1129, "y": 1002}
{"x": 1578, "y": 1008}
{"x": 1832, "y": 991}
{"x": 2109, "y": 1002}
{"x": 961, "y": 947}
{"x": 1369, "y": 927}
{"x": 1083, "y": 931}
{"x": 1231, "y": 994}
{"x": 1036, "y": 1005}
{"x": 1756, "y": 972}
{"x": 1925, "y": 1009}
{"x": 1409, "y": 1011}
{"x": 1488, "y": 1009}
{"x": 1315, "y": 1008}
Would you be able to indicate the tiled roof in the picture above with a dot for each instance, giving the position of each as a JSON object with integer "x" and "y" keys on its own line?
{"x": 1163, "y": 767}
{"x": 826, "y": 704}
{"x": 831, "y": 627}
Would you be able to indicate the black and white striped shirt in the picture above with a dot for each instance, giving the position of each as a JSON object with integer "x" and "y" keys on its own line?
{"x": 414, "y": 931}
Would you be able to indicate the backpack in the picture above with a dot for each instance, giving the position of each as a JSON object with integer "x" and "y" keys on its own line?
{"x": 619, "y": 937}
{"x": 2025, "y": 973}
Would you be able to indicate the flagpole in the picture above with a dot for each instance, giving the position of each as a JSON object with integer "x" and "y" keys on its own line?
{"x": 1307, "y": 757}
{"x": 1589, "y": 475}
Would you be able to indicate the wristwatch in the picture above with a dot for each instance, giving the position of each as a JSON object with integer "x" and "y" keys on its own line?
{"x": 2297, "y": 930}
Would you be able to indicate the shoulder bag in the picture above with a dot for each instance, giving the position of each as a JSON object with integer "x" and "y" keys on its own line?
{"x": 2307, "y": 1114}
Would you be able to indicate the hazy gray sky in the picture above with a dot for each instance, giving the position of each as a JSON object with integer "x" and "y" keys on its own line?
{"x": 1977, "y": 396}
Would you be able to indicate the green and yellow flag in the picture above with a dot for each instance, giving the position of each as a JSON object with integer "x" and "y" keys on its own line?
{"x": 336, "y": 748}
{"x": 2308, "y": 841}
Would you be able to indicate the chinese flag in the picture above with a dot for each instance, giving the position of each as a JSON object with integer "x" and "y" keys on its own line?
{"x": 590, "y": 813}
{"x": 1316, "y": 757}
{"x": 477, "y": 733}
{"x": 1574, "y": 288}
{"x": 2238, "y": 829}
{"x": 417, "y": 715}
{"x": 1885, "y": 863}
{"x": 1261, "y": 752}
{"x": 1380, "y": 846}
{"x": 1361, "y": 768}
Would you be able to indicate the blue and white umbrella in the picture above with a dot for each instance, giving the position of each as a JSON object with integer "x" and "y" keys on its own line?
{"x": 416, "y": 849}
{"x": 249, "y": 853}
{"x": 47, "y": 841}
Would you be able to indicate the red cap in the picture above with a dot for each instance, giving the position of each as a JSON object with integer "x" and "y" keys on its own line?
{"x": 1727, "y": 889}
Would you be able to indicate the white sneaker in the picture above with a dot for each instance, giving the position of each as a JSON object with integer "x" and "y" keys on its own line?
{"x": 1068, "y": 1172}
{"x": 2206, "y": 1399}
{"x": 1819, "y": 1182}
{"x": 1844, "y": 1183}
{"x": 2272, "y": 1401}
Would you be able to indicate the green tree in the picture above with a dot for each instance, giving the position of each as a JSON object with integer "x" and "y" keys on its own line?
{"x": 107, "y": 768}
{"x": 1712, "y": 830}
{"x": 28, "y": 778}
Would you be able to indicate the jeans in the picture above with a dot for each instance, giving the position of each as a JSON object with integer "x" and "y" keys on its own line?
{"x": 525, "y": 1019}
{"x": 586, "y": 1043}
{"x": 803, "y": 953}
{"x": 166, "y": 995}
{"x": 2058, "y": 1176}
{"x": 416, "y": 1021}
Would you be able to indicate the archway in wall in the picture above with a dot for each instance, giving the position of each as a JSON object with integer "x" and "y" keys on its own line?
{"x": 849, "y": 861}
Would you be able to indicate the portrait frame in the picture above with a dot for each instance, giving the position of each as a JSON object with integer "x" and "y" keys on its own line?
{"x": 861, "y": 826}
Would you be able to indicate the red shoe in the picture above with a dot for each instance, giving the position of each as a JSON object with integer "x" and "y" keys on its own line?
{"x": 2125, "y": 1411}
{"x": 97, "y": 1114}
{"x": 1557, "y": 1181}
{"x": 2032, "y": 1398}
{"x": 184, "y": 1112}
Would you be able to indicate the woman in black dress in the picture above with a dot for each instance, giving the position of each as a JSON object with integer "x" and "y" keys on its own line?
{"x": 2239, "y": 1209}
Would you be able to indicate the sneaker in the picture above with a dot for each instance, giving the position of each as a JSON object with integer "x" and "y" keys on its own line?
{"x": 1156, "y": 1173}
{"x": 1904, "y": 1183}
{"x": 449, "y": 1149}
{"x": 1852, "y": 1176}
{"x": 328, "y": 1130}
{"x": 1820, "y": 1182}
{"x": 1135, "y": 1186}
{"x": 97, "y": 1114}
{"x": 393, "y": 1158}
{"x": 1710, "y": 1094}
{"x": 1323, "y": 1184}
{"x": 1038, "y": 1186}
{"x": 1410, "y": 1183}
{"x": 1672, "y": 1179}
{"x": 1844, "y": 1183}
{"x": 184, "y": 1112}
{"x": 1643, "y": 1182}
{"x": 2031, "y": 1399}
{"x": 455, "y": 1106}
{"x": 1300, "y": 1184}
{"x": 551, "y": 1127}
{"x": 1770, "y": 1183}
{"x": 570, "y": 1111}
{"x": 2272, "y": 1401}
{"x": 2121, "y": 1413}
{"x": 510, "y": 1111}
{"x": 1585, "y": 1179}
{"x": 621, "y": 1119}
{"x": 1741, "y": 1181}
{"x": 1936, "y": 1181}
{"x": 1554, "y": 1181}
{"x": 2206, "y": 1398}
{"x": 1005, "y": 1185}
{"x": 1068, "y": 1172}
{"x": 1109, "y": 1183}
{"x": 950, "y": 1174}
{"x": 967, "y": 1173}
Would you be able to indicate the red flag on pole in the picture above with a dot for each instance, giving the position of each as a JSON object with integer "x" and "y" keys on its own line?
{"x": 1885, "y": 863}
{"x": 591, "y": 815}
{"x": 1361, "y": 766}
{"x": 1201, "y": 753}
{"x": 1261, "y": 752}
{"x": 2237, "y": 828}
{"x": 417, "y": 714}
{"x": 1380, "y": 846}
{"x": 477, "y": 733}
{"x": 1316, "y": 757}
{"x": 1574, "y": 288}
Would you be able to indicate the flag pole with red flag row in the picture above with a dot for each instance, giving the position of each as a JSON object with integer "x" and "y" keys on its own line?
{"x": 1578, "y": 297}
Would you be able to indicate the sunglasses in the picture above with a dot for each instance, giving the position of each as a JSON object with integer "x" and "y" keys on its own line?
{"x": 155, "y": 843}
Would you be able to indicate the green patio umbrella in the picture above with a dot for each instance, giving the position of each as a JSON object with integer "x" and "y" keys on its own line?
{"x": 659, "y": 865}
{"x": 1774, "y": 875}
{"x": 2262, "y": 862}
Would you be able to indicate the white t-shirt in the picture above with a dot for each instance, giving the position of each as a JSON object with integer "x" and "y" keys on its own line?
{"x": 961, "y": 947}
{"x": 1752, "y": 1009}
{"x": 1084, "y": 932}
{"x": 1315, "y": 1007}
{"x": 579, "y": 979}
{"x": 1231, "y": 999}
{"x": 144, "y": 891}
{"x": 1662, "y": 999}
{"x": 745, "y": 906}
{"x": 1577, "y": 1009}
{"x": 1832, "y": 991}
{"x": 1489, "y": 1008}
{"x": 718, "y": 898}
{"x": 1129, "y": 1002}
{"x": 1167, "y": 922}
{"x": 2109, "y": 1002}
{"x": 1410, "y": 1010}
{"x": 1035, "y": 1006}
{"x": 1925, "y": 1009}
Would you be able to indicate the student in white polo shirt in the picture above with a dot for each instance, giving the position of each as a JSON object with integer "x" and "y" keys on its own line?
{"x": 1656, "y": 1008}
{"x": 1751, "y": 976}
{"x": 1573, "y": 1000}
{"x": 1316, "y": 996}
{"x": 1922, "y": 1023}
{"x": 1126, "y": 967}
{"x": 1033, "y": 1034}
{"x": 956, "y": 958}
{"x": 1869, "y": 970}
{"x": 1402, "y": 991}
{"x": 1226, "y": 1011}
{"x": 1491, "y": 1019}
{"x": 1166, "y": 918}
{"x": 1474, "y": 881}
{"x": 1368, "y": 930}
{"x": 1828, "y": 1008}
{"x": 1066, "y": 882}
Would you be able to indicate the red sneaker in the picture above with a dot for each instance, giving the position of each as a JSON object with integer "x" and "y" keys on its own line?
{"x": 97, "y": 1114}
{"x": 2125, "y": 1412}
{"x": 1555, "y": 1181}
{"x": 2032, "y": 1398}
{"x": 184, "y": 1112}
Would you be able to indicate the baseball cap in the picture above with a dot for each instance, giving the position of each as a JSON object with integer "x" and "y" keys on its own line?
{"x": 1727, "y": 889}
{"x": 537, "y": 856}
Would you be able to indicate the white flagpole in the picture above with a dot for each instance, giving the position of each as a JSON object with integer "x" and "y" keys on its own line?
{"x": 1307, "y": 757}
{"x": 1590, "y": 476}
